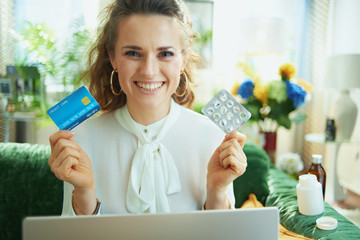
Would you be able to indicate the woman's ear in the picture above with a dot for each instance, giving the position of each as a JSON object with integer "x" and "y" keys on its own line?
{"x": 184, "y": 61}
{"x": 112, "y": 60}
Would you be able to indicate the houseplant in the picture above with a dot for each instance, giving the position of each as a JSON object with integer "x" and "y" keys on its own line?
{"x": 59, "y": 62}
{"x": 273, "y": 104}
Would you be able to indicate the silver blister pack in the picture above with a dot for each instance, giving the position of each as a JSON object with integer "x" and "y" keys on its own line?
{"x": 226, "y": 112}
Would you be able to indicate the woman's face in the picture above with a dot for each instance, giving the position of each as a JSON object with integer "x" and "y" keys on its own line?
{"x": 148, "y": 56}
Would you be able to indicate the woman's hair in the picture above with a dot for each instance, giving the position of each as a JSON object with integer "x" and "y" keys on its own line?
{"x": 100, "y": 69}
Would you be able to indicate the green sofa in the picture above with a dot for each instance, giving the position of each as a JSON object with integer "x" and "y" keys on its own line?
{"x": 28, "y": 188}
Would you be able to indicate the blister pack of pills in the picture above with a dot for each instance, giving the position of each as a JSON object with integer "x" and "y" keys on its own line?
{"x": 226, "y": 112}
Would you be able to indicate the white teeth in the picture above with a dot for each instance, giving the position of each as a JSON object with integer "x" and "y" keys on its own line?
{"x": 149, "y": 86}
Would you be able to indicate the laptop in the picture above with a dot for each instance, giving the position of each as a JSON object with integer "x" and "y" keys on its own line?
{"x": 256, "y": 223}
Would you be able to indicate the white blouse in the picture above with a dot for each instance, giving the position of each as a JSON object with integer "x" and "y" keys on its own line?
{"x": 191, "y": 141}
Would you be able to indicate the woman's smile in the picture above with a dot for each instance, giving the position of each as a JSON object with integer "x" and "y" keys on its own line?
{"x": 149, "y": 87}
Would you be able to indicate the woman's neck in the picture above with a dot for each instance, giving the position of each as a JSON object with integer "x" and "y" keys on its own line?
{"x": 146, "y": 116}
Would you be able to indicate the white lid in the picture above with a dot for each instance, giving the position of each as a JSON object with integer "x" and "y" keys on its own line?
{"x": 316, "y": 158}
{"x": 326, "y": 223}
{"x": 307, "y": 179}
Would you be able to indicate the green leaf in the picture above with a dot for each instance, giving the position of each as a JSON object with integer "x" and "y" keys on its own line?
{"x": 253, "y": 106}
{"x": 284, "y": 120}
{"x": 298, "y": 117}
{"x": 279, "y": 109}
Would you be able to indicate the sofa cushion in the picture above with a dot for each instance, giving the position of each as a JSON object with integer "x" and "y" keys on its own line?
{"x": 254, "y": 180}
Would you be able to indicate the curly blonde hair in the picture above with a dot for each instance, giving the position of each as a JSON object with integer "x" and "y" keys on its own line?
{"x": 100, "y": 69}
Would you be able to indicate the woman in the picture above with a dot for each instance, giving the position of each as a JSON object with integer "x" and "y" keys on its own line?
{"x": 146, "y": 153}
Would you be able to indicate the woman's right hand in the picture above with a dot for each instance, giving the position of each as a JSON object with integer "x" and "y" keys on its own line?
{"x": 71, "y": 164}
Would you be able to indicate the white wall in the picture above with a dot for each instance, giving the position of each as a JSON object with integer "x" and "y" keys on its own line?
{"x": 229, "y": 14}
{"x": 345, "y": 34}
{"x": 344, "y": 38}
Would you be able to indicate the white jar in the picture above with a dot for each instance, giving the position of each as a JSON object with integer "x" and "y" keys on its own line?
{"x": 309, "y": 195}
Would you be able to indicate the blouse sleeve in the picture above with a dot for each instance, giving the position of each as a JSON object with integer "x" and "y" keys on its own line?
{"x": 67, "y": 202}
{"x": 231, "y": 196}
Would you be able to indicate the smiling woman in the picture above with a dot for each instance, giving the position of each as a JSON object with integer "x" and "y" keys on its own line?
{"x": 146, "y": 153}
{"x": 134, "y": 48}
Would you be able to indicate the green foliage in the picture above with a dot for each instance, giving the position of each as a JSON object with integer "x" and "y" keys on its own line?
{"x": 60, "y": 63}
{"x": 39, "y": 44}
{"x": 202, "y": 38}
{"x": 198, "y": 106}
{"x": 73, "y": 57}
{"x": 276, "y": 111}
{"x": 254, "y": 105}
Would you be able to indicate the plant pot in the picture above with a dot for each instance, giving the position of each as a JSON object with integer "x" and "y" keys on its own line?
{"x": 270, "y": 145}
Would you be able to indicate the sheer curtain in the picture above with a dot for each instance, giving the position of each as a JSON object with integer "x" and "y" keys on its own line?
{"x": 6, "y": 37}
{"x": 6, "y": 58}
{"x": 314, "y": 65}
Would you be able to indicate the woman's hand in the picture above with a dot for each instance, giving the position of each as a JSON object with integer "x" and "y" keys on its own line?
{"x": 71, "y": 164}
{"x": 226, "y": 164}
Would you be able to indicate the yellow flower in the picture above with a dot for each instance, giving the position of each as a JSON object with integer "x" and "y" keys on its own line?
{"x": 247, "y": 70}
{"x": 287, "y": 71}
{"x": 235, "y": 89}
{"x": 261, "y": 91}
{"x": 305, "y": 85}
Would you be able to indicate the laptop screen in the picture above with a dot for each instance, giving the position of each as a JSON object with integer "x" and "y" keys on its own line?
{"x": 257, "y": 223}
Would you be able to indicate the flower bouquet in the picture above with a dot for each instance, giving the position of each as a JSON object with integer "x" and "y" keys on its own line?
{"x": 271, "y": 104}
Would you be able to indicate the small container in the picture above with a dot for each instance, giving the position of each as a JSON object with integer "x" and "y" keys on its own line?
{"x": 330, "y": 130}
{"x": 317, "y": 169}
{"x": 309, "y": 195}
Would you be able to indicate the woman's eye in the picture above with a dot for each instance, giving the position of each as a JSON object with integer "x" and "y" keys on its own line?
{"x": 166, "y": 54}
{"x": 132, "y": 54}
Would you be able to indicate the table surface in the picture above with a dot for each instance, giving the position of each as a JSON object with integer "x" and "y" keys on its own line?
{"x": 320, "y": 138}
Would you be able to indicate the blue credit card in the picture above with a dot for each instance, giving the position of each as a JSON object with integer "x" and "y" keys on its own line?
{"x": 74, "y": 109}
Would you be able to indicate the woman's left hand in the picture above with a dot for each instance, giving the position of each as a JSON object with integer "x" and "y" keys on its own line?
{"x": 226, "y": 164}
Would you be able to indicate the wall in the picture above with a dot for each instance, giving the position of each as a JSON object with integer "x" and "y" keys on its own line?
{"x": 344, "y": 38}
{"x": 344, "y": 34}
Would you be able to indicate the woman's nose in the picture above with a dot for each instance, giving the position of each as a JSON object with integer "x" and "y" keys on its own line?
{"x": 149, "y": 66}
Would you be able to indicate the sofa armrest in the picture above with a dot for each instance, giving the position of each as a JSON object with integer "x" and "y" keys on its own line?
{"x": 254, "y": 180}
{"x": 283, "y": 195}
{"x": 27, "y": 186}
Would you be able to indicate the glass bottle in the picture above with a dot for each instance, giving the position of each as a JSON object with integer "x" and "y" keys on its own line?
{"x": 318, "y": 171}
{"x": 330, "y": 130}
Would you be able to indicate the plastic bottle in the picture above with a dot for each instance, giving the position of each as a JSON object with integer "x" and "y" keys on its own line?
{"x": 309, "y": 195}
{"x": 318, "y": 171}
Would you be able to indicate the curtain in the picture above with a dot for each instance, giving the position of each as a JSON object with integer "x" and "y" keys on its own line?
{"x": 7, "y": 25}
{"x": 314, "y": 65}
